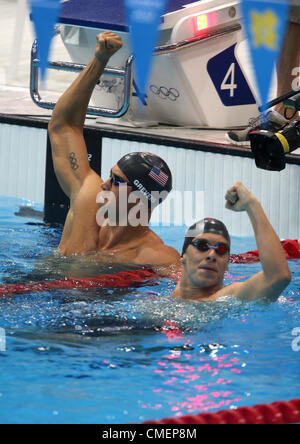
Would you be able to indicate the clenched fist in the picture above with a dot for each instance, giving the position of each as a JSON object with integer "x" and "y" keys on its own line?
{"x": 107, "y": 44}
{"x": 238, "y": 197}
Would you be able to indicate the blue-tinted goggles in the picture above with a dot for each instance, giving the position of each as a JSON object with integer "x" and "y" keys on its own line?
{"x": 117, "y": 180}
{"x": 203, "y": 245}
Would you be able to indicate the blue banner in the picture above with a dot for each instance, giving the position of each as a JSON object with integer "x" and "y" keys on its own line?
{"x": 143, "y": 17}
{"x": 265, "y": 23}
{"x": 44, "y": 14}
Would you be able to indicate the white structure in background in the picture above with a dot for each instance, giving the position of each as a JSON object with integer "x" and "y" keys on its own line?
{"x": 22, "y": 13}
{"x": 201, "y": 73}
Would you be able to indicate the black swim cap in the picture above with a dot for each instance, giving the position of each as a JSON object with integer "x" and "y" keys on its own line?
{"x": 147, "y": 173}
{"x": 207, "y": 225}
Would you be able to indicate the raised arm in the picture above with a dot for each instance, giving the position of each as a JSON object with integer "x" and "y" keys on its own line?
{"x": 66, "y": 125}
{"x": 276, "y": 274}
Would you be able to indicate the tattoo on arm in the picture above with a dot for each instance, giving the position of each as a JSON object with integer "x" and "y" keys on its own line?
{"x": 73, "y": 161}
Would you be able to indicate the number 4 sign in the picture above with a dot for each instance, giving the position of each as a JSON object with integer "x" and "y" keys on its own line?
{"x": 229, "y": 80}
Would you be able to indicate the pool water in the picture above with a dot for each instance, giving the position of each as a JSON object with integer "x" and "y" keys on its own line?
{"x": 121, "y": 356}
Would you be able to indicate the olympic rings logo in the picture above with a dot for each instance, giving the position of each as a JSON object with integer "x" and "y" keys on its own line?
{"x": 165, "y": 93}
{"x": 73, "y": 161}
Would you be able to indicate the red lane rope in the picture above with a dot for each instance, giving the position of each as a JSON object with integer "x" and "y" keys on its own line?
{"x": 291, "y": 248}
{"x": 282, "y": 412}
{"x": 131, "y": 278}
{"x": 121, "y": 279}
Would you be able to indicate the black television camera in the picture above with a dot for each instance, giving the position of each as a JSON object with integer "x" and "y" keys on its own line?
{"x": 269, "y": 149}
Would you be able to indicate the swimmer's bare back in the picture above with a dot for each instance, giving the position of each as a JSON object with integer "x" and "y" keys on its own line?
{"x": 82, "y": 233}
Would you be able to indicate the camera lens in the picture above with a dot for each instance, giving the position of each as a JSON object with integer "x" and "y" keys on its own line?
{"x": 269, "y": 148}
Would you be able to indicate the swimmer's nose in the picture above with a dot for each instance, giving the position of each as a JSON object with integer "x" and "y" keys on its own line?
{"x": 211, "y": 255}
{"x": 106, "y": 186}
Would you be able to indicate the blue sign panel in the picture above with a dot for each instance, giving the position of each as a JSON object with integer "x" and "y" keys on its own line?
{"x": 228, "y": 79}
{"x": 265, "y": 23}
{"x": 44, "y": 14}
{"x": 144, "y": 18}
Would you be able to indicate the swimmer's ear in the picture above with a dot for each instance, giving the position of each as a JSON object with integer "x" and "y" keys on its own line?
{"x": 143, "y": 203}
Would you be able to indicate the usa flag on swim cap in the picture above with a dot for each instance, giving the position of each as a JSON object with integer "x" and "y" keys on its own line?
{"x": 159, "y": 176}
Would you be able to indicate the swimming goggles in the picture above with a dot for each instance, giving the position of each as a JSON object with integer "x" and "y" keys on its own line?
{"x": 203, "y": 245}
{"x": 117, "y": 180}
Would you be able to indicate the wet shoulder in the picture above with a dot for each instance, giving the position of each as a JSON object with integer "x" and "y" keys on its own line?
{"x": 228, "y": 291}
{"x": 153, "y": 250}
